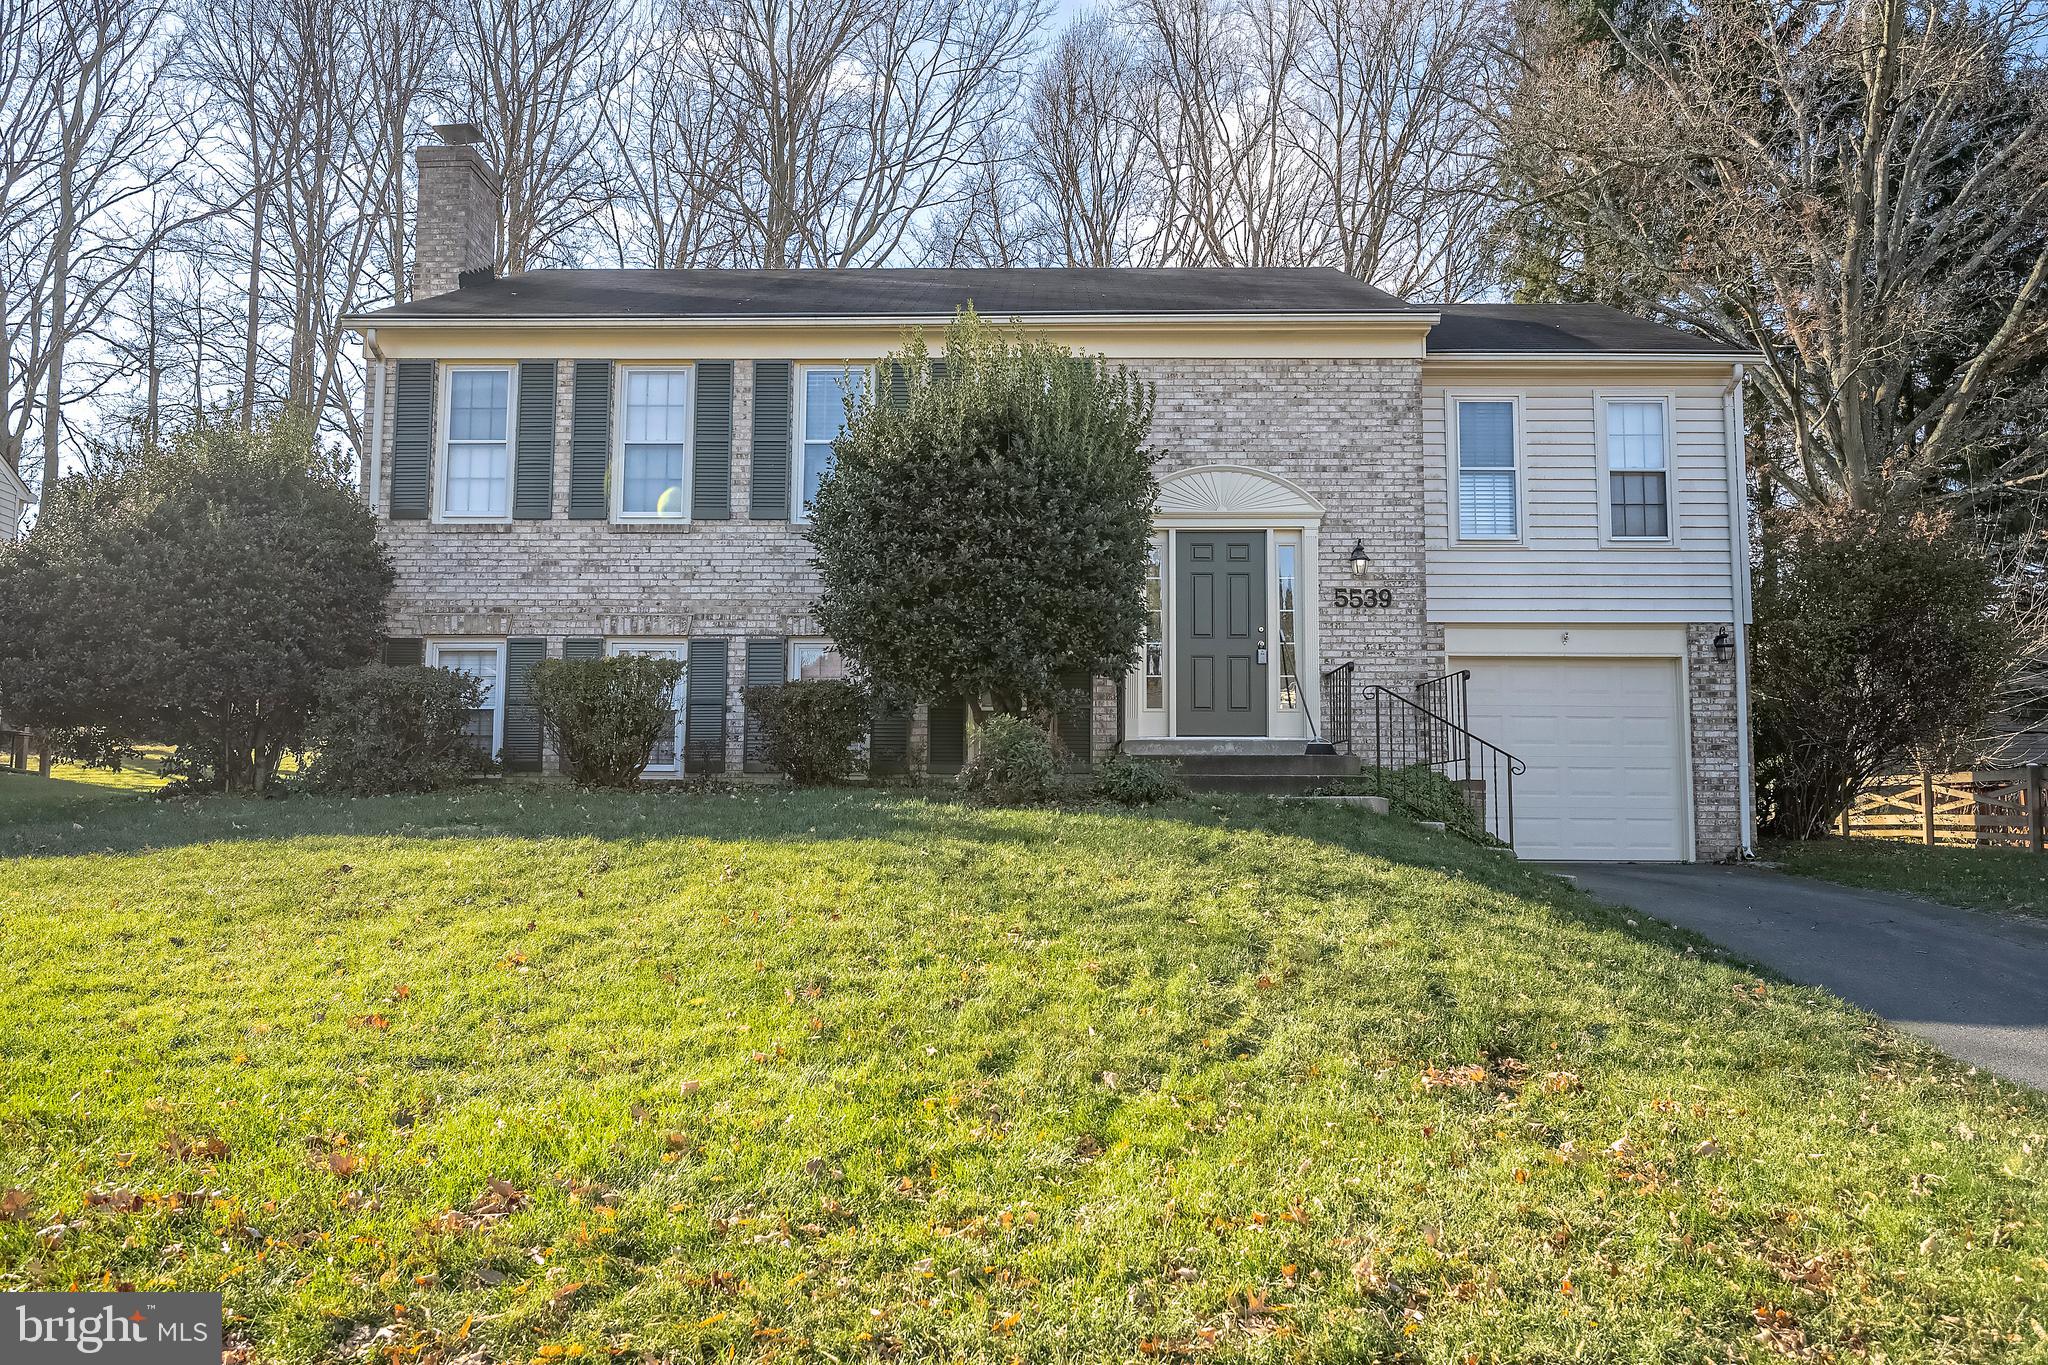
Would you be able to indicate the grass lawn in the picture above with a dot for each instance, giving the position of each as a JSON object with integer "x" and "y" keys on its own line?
{"x": 69, "y": 790}
{"x": 1987, "y": 878}
{"x": 531, "y": 1075}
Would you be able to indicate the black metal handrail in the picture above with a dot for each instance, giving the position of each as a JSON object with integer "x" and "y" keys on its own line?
{"x": 1406, "y": 735}
{"x": 1337, "y": 706}
{"x": 1445, "y": 695}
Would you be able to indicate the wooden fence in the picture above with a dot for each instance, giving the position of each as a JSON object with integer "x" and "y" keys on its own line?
{"x": 1986, "y": 808}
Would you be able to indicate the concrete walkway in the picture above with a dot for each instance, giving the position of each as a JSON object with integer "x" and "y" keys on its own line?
{"x": 1971, "y": 983}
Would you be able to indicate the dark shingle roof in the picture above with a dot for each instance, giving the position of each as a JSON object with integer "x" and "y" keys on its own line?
{"x": 686, "y": 294}
{"x": 1561, "y": 329}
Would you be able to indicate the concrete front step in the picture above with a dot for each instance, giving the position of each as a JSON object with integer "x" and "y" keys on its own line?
{"x": 1213, "y": 746}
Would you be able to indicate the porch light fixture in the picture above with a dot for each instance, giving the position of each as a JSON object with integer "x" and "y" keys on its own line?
{"x": 1361, "y": 562}
{"x": 1724, "y": 644}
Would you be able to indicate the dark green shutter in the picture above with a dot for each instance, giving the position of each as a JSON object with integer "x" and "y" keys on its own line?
{"x": 583, "y": 649}
{"x": 938, "y": 368}
{"x": 522, "y": 719}
{"x": 768, "y": 494}
{"x": 590, "y": 440}
{"x": 704, "y": 705}
{"x": 767, "y": 666}
{"x": 896, "y": 385}
{"x": 1075, "y": 721}
{"x": 405, "y": 651}
{"x": 533, "y": 478}
{"x": 889, "y": 741}
{"x": 711, "y": 446}
{"x": 946, "y": 743}
{"x": 412, "y": 441}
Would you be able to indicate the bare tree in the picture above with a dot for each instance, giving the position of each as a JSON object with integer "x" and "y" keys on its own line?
{"x": 90, "y": 147}
{"x": 1856, "y": 190}
{"x": 851, "y": 118}
{"x": 534, "y": 75}
{"x": 1085, "y": 152}
{"x": 675, "y": 154}
{"x": 1398, "y": 142}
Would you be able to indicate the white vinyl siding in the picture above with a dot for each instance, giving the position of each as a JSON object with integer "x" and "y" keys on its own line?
{"x": 822, "y": 392}
{"x": 1566, "y": 568}
{"x": 1489, "y": 495}
{"x": 476, "y": 451}
{"x": 654, "y": 435}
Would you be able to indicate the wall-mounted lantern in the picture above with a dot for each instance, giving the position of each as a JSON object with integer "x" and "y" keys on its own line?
{"x": 1724, "y": 645}
{"x": 1361, "y": 562}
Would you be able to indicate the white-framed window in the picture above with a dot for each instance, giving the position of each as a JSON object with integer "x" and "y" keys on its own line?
{"x": 1155, "y": 629}
{"x": 476, "y": 443}
{"x": 666, "y": 758}
{"x": 483, "y": 660}
{"x": 1286, "y": 559}
{"x": 1485, "y": 452}
{"x": 652, "y": 463}
{"x": 1638, "y": 459}
{"x": 822, "y": 394}
{"x": 811, "y": 660}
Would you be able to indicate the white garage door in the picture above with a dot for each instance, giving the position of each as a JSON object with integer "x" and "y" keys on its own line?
{"x": 1604, "y": 742}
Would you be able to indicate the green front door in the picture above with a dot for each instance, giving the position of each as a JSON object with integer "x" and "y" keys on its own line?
{"x": 1220, "y": 633}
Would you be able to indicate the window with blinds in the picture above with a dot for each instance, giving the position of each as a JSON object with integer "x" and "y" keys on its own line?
{"x": 1488, "y": 501}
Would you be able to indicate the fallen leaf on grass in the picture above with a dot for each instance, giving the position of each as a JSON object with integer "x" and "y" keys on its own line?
{"x": 204, "y": 1147}
{"x": 369, "y": 1021}
{"x": 14, "y": 1206}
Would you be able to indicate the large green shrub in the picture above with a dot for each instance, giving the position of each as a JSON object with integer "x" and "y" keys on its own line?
{"x": 604, "y": 715}
{"x": 197, "y": 593}
{"x": 382, "y": 730}
{"x": 1132, "y": 781}
{"x": 1014, "y": 763}
{"x": 1874, "y": 638}
{"x": 809, "y": 728}
{"x": 986, "y": 535}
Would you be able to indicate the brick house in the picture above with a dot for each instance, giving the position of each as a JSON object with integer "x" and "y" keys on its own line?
{"x": 1535, "y": 515}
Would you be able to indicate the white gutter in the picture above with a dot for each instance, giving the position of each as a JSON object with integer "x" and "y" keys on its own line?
{"x": 1735, "y": 425}
{"x": 1737, "y": 358}
{"x": 376, "y": 460}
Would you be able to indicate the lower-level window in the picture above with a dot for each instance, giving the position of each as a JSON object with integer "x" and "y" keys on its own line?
{"x": 666, "y": 758}
{"x": 483, "y": 660}
{"x": 815, "y": 659}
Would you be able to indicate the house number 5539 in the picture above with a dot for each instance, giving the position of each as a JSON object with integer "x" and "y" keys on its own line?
{"x": 1364, "y": 597}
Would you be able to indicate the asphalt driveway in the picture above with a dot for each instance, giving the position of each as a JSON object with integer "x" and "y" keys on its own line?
{"x": 1973, "y": 984}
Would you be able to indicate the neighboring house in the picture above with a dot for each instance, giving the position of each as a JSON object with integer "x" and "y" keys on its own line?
{"x": 569, "y": 463}
{"x": 14, "y": 502}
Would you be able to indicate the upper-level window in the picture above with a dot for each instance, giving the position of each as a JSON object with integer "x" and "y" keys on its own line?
{"x": 478, "y": 454}
{"x": 1488, "y": 502}
{"x": 1638, "y": 484}
{"x": 654, "y": 424}
{"x": 823, "y": 396}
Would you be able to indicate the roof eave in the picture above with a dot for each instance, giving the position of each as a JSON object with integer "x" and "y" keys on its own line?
{"x": 1581, "y": 357}
{"x": 1415, "y": 317}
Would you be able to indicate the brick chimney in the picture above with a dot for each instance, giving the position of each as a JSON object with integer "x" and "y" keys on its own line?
{"x": 456, "y": 230}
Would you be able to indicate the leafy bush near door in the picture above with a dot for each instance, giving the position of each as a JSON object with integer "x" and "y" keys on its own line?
{"x": 809, "y": 728}
{"x": 605, "y": 715}
{"x": 1014, "y": 763}
{"x": 383, "y": 730}
{"x": 1132, "y": 781}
